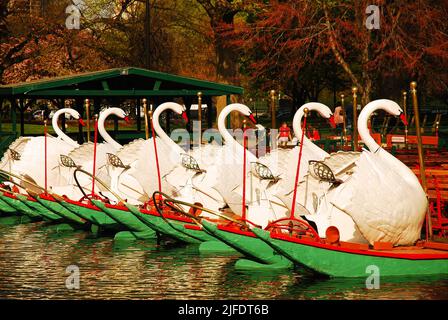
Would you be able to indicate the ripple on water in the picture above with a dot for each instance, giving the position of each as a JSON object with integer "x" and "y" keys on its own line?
{"x": 33, "y": 262}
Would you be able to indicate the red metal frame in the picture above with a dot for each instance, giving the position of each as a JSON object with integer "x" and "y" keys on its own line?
{"x": 275, "y": 226}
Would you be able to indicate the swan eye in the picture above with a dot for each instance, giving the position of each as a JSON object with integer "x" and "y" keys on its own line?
{"x": 189, "y": 162}
{"x": 67, "y": 161}
{"x": 14, "y": 154}
{"x": 116, "y": 161}
{"x": 263, "y": 172}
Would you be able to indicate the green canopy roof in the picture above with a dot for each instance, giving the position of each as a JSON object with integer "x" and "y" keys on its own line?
{"x": 118, "y": 82}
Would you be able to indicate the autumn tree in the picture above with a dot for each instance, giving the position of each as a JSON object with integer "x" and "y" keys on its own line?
{"x": 295, "y": 39}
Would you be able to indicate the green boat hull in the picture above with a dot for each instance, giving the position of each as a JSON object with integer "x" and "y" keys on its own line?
{"x": 173, "y": 229}
{"x": 21, "y": 207}
{"x": 93, "y": 215}
{"x": 37, "y": 207}
{"x": 14, "y": 220}
{"x": 6, "y": 209}
{"x": 337, "y": 263}
{"x": 135, "y": 235}
{"x": 125, "y": 218}
{"x": 69, "y": 216}
{"x": 216, "y": 246}
{"x": 248, "y": 244}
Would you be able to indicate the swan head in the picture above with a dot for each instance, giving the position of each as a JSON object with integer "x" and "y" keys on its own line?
{"x": 322, "y": 109}
{"x": 244, "y": 110}
{"x": 116, "y": 111}
{"x": 177, "y": 108}
{"x": 74, "y": 114}
{"x": 389, "y": 106}
{"x": 184, "y": 114}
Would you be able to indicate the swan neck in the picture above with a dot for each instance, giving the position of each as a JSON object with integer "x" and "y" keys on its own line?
{"x": 61, "y": 135}
{"x": 160, "y": 132}
{"x": 363, "y": 129}
{"x": 102, "y": 130}
{"x": 227, "y": 137}
{"x": 297, "y": 128}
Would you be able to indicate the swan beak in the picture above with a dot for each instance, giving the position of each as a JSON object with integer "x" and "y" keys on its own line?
{"x": 126, "y": 119}
{"x": 251, "y": 118}
{"x": 403, "y": 118}
{"x": 81, "y": 122}
{"x": 332, "y": 123}
{"x": 184, "y": 116}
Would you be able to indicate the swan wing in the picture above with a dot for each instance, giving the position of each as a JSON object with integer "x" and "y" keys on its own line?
{"x": 382, "y": 204}
{"x": 127, "y": 152}
{"x": 144, "y": 167}
{"x": 18, "y": 146}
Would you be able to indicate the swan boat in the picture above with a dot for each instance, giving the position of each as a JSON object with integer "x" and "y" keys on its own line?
{"x": 12, "y": 199}
{"x": 169, "y": 222}
{"x": 392, "y": 228}
{"x": 242, "y": 239}
{"x": 79, "y": 214}
{"x": 129, "y": 167}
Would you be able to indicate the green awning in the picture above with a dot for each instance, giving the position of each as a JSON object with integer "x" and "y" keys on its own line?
{"x": 118, "y": 82}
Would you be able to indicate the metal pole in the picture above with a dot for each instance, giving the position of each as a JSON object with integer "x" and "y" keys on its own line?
{"x": 273, "y": 116}
{"x": 406, "y": 117}
{"x": 200, "y": 117}
{"x": 87, "y": 103}
{"x": 355, "y": 120}
{"x": 145, "y": 110}
{"x": 344, "y": 128}
{"x": 421, "y": 161}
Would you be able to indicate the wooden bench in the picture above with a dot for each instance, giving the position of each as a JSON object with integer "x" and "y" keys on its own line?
{"x": 437, "y": 191}
{"x": 392, "y": 139}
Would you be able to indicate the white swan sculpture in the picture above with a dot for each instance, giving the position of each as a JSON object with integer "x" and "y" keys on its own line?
{"x": 82, "y": 157}
{"x": 26, "y": 155}
{"x": 134, "y": 175}
{"x": 383, "y": 196}
{"x": 199, "y": 180}
{"x": 61, "y": 134}
{"x": 285, "y": 160}
{"x": 17, "y": 147}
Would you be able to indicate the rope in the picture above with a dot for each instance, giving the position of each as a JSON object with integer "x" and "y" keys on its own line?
{"x": 293, "y": 207}
{"x": 243, "y": 215}
{"x": 155, "y": 151}
{"x": 45, "y": 154}
{"x": 95, "y": 140}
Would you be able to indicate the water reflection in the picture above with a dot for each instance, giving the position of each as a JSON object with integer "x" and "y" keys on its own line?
{"x": 33, "y": 262}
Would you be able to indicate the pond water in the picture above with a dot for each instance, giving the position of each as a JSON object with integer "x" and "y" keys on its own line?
{"x": 33, "y": 262}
